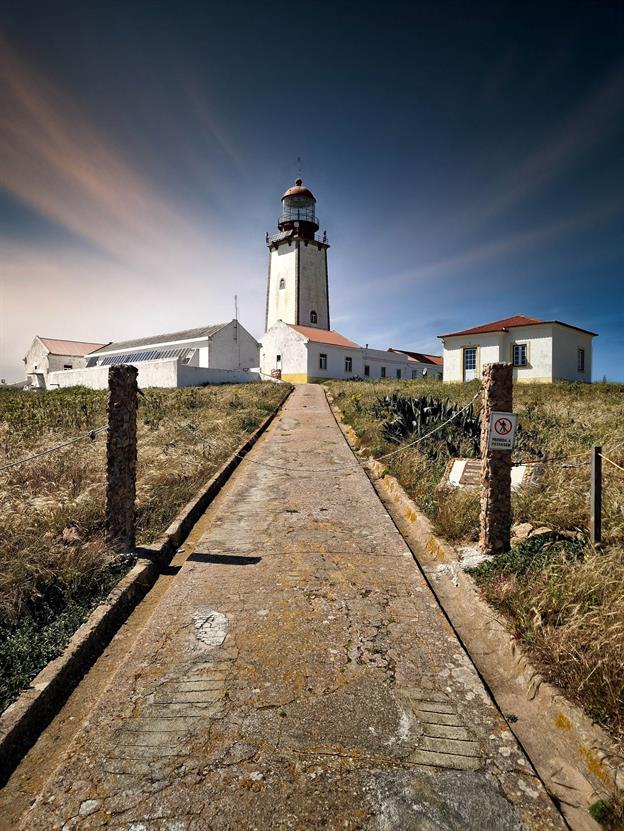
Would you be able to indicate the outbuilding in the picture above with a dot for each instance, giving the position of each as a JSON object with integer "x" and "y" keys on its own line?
{"x": 541, "y": 351}
{"x": 54, "y": 355}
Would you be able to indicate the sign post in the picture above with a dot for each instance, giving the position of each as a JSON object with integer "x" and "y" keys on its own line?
{"x": 498, "y": 431}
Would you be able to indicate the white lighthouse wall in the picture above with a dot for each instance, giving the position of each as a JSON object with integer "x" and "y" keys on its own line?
{"x": 313, "y": 284}
{"x": 282, "y": 303}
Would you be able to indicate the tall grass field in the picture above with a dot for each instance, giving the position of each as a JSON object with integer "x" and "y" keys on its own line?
{"x": 563, "y": 599}
{"x": 55, "y": 565}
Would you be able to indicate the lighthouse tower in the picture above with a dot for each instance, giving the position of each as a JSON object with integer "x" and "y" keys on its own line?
{"x": 297, "y": 289}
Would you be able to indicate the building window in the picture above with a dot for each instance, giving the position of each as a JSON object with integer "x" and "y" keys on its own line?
{"x": 520, "y": 354}
{"x": 414, "y": 374}
{"x": 382, "y": 372}
{"x": 313, "y": 317}
{"x": 278, "y": 359}
{"x": 322, "y": 361}
{"x": 580, "y": 359}
{"x": 282, "y": 283}
{"x": 348, "y": 364}
{"x": 366, "y": 371}
{"x": 67, "y": 366}
{"x": 470, "y": 358}
{"x": 398, "y": 374}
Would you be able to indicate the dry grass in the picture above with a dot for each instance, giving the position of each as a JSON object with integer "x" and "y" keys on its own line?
{"x": 53, "y": 555}
{"x": 568, "y": 612}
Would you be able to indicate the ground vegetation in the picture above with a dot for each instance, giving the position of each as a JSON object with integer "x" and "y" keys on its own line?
{"x": 55, "y": 565}
{"x": 563, "y": 598}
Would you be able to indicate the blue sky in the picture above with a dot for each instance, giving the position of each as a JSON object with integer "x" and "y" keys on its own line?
{"x": 468, "y": 162}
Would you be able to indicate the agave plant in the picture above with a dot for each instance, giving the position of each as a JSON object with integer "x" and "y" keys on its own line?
{"x": 406, "y": 417}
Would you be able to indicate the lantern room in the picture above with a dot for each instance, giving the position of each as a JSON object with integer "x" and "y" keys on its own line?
{"x": 299, "y": 211}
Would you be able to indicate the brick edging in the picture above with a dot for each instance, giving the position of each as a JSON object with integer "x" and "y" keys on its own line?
{"x": 575, "y": 758}
{"x": 24, "y": 720}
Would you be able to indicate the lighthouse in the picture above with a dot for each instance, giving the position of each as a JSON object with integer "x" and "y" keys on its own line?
{"x": 297, "y": 286}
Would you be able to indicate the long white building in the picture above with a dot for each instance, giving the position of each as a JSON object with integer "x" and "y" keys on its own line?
{"x": 215, "y": 354}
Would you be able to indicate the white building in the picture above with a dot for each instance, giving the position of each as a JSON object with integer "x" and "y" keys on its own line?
{"x": 54, "y": 355}
{"x": 421, "y": 365}
{"x": 298, "y": 345}
{"x": 541, "y": 351}
{"x": 217, "y": 354}
{"x": 302, "y": 354}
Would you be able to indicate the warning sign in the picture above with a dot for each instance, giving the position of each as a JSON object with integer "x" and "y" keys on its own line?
{"x": 502, "y": 431}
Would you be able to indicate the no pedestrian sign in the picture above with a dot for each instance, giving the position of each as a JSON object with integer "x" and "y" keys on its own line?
{"x": 502, "y": 431}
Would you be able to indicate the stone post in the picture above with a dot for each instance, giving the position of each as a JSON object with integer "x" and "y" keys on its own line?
{"x": 495, "y": 464}
{"x": 121, "y": 450}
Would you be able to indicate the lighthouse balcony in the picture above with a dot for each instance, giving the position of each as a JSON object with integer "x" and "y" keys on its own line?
{"x": 288, "y": 234}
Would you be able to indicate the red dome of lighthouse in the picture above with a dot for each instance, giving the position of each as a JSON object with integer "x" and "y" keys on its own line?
{"x": 299, "y": 189}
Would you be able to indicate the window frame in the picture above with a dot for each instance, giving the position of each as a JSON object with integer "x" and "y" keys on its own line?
{"x": 348, "y": 363}
{"x": 398, "y": 374}
{"x": 466, "y": 351}
{"x": 580, "y": 364}
{"x": 323, "y": 361}
{"x": 282, "y": 283}
{"x": 367, "y": 370}
{"x": 382, "y": 372}
{"x": 520, "y": 345}
{"x": 313, "y": 316}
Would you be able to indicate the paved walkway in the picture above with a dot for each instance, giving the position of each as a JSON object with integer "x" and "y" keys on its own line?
{"x": 298, "y": 674}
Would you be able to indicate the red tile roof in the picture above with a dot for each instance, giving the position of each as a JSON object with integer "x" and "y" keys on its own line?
{"x": 324, "y": 336}
{"x": 77, "y": 348}
{"x": 421, "y": 357}
{"x": 511, "y": 323}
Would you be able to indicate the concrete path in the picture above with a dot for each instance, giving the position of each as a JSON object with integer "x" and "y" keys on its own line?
{"x": 298, "y": 674}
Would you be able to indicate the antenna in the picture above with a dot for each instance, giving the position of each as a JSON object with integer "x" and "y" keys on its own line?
{"x": 299, "y": 164}
{"x": 236, "y": 327}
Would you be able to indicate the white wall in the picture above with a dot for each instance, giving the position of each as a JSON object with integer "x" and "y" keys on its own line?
{"x": 539, "y": 352}
{"x": 308, "y": 259}
{"x": 167, "y": 372}
{"x": 190, "y": 376}
{"x": 313, "y": 284}
{"x": 433, "y": 370}
{"x": 37, "y": 356}
{"x": 566, "y": 343}
{"x": 282, "y": 303}
{"x": 290, "y": 345}
{"x": 228, "y": 352}
{"x": 378, "y": 358}
{"x": 335, "y": 361}
{"x": 488, "y": 352}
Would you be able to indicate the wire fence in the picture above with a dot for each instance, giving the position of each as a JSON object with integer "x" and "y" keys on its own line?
{"x": 91, "y": 434}
{"x": 158, "y": 413}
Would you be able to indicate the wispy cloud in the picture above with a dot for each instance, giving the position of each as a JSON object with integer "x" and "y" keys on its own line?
{"x": 515, "y": 243}
{"x": 55, "y": 162}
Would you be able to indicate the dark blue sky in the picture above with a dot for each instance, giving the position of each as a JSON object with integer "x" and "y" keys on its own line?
{"x": 468, "y": 162}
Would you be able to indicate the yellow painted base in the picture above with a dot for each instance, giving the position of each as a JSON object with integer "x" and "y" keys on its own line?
{"x": 533, "y": 380}
{"x": 295, "y": 377}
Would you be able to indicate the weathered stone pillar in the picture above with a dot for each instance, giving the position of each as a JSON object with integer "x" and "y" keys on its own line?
{"x": 121, "y": 449}
{"x": 495, "y": 464}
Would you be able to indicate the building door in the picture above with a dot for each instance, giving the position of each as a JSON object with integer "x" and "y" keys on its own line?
{"x": 470, "y": 363}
